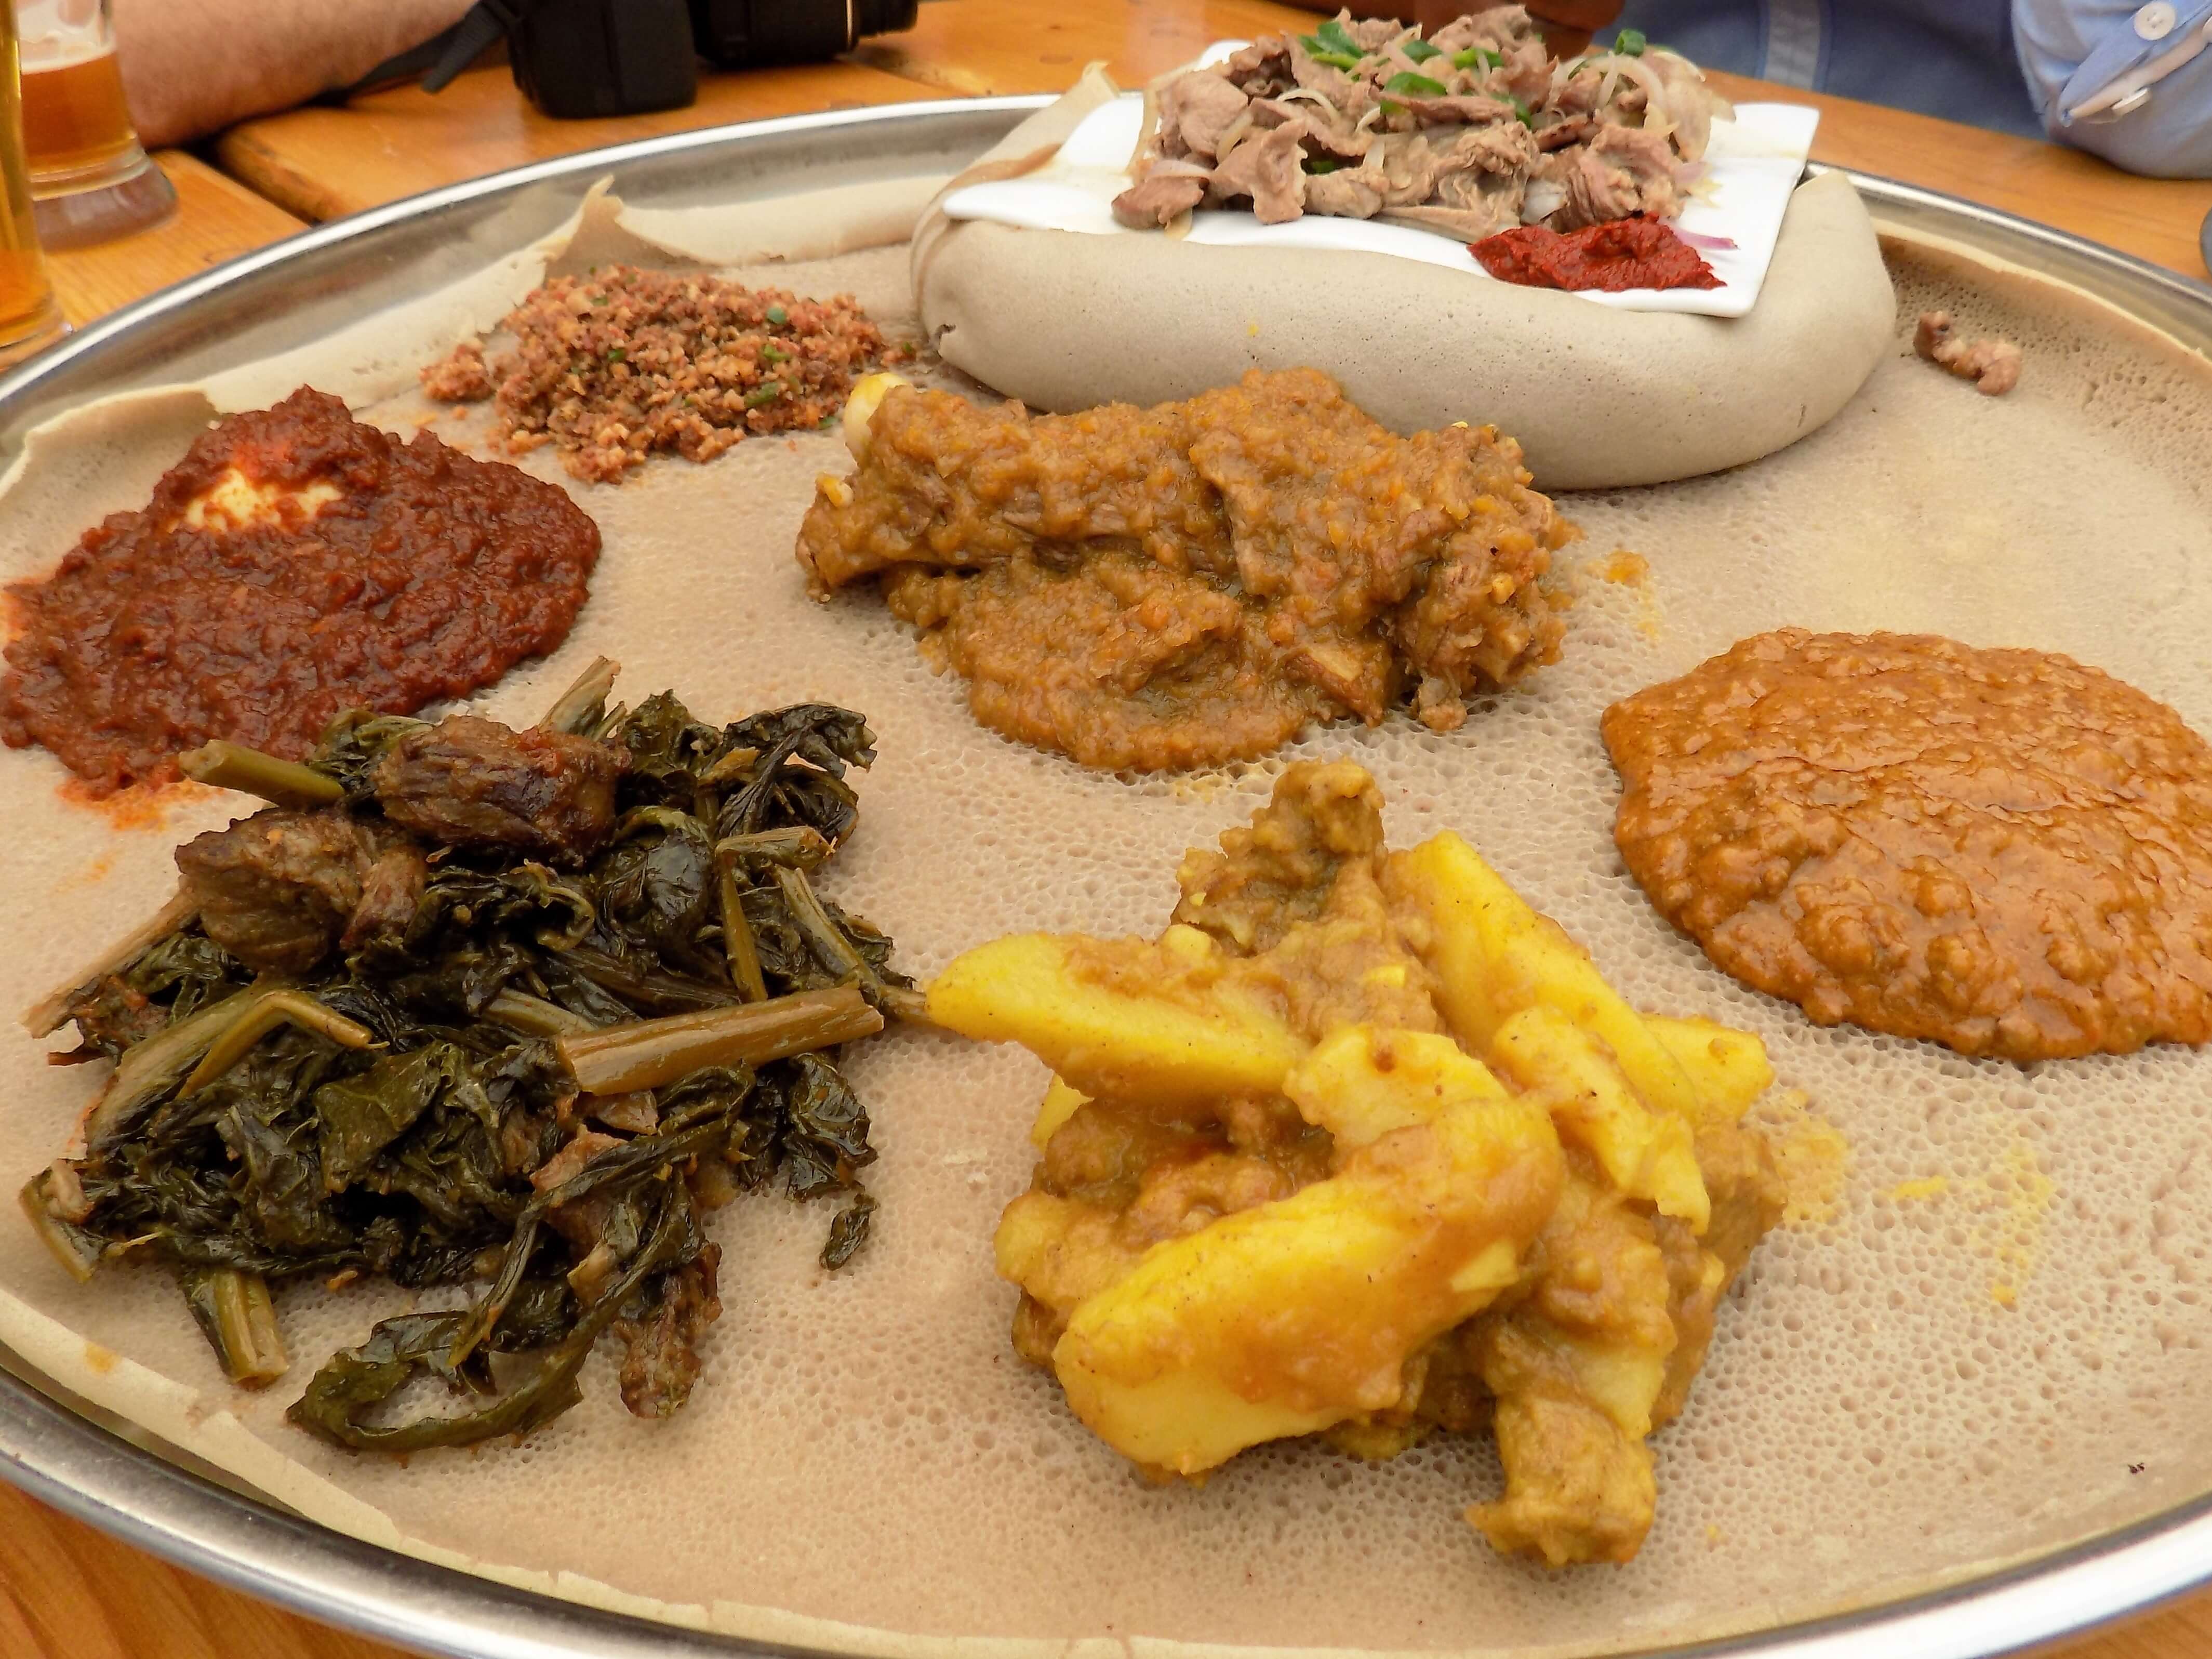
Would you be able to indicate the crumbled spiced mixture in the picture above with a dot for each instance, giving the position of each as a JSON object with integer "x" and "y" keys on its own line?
{"x": 617, "y": 365}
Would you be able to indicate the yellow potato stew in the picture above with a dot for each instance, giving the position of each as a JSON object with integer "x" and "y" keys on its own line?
{"x": 1363, "y": 1146}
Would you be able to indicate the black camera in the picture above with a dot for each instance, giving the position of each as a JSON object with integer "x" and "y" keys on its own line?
{"x": 577, "y": 58}
{"x": 734, "y": 33}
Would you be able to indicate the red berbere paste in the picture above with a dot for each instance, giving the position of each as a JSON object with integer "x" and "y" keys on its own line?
{"x": 428, "y": 577}
{"x": 1612, "y": 257}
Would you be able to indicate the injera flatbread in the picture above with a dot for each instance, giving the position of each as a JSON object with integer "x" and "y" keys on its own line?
{"x": 864, "y": 1464}
{"x": 1597, "y": 397}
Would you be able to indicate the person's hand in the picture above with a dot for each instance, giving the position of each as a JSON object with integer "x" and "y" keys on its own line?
{"x": 1568, "y": 24}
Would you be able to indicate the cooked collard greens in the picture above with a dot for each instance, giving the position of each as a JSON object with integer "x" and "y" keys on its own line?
{"x": 471, "y": 1007}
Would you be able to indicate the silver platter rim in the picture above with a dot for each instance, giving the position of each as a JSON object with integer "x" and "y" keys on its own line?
{"x": 72, "y": 1456}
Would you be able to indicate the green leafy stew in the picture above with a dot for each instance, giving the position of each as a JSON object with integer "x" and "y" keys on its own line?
{"x": 505, "y": 1011}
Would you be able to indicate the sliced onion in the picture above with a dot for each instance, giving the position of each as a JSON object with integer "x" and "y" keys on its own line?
{"x": 1658, "y": 106}
{"x": 1148, "y": 129}
{"x": 1698, "y": 239}
{"x": 1240, "y": 128}
{"x": 1544, "y": 199}
{"x": 1694, "y": 104}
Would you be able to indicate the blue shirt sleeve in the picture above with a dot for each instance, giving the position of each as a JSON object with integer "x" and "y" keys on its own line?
{"x": 2074, "y": 51}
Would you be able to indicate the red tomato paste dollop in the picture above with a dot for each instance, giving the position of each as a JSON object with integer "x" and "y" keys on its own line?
{"x": 1617, "y": 255}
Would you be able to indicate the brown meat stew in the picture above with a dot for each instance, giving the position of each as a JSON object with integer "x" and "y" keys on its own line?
{"x": 1193, "y": 583}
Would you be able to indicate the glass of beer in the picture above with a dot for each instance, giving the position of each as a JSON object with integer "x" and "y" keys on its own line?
{"x": 28, "y": 317}
{"x": 90, "y": 179}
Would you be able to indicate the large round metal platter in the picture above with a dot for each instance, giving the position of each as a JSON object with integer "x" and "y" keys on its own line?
{"x": 120, "y": 1479}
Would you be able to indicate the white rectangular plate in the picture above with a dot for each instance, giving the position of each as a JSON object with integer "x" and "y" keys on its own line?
{"x": 1753, "y": 163}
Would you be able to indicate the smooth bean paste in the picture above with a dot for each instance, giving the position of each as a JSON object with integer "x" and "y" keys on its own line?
{"x": 2000, "y": 850}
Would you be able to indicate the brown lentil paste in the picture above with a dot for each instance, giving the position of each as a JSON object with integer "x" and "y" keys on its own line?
{"x": 294, "y": 563}
{"x": 2000, "y": 850}
{"x": 1189, "y": 583}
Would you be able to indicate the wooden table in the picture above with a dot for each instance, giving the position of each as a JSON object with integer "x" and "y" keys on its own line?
{"x": 67, "y": 1592}
{"x": 217, "y": 218}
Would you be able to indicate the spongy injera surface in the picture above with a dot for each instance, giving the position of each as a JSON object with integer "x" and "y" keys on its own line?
{"x": 864, "y": 1446}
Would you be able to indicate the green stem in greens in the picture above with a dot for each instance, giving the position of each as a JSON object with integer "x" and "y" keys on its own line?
{"x": 239, "y": 1321}
{"x": 835, "y": 950}
{"x": 150, "y": 1069}
{"x": 270, "y": 1010}
{"x": 79, "y": 1252}
{"x": 738, "y": 945}
{"x": 731, "y": 766}
{"x": 579, "y": 708}
{"x": 646, "y": 1054}
{"x": 801, "y": 847}
{"x": 48, "y": 1016}
{"x": 280, "y": 782}
{"x": 534, "y": 1015}
{"x": 739, "y": 948}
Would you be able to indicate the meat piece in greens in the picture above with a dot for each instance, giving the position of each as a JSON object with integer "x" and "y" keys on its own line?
{"x": 529, "y": 1080}
{"x": 472, "y": 783}
{"x": 390, "y": 892}
{"x": 276, "y": 889}
{"x": 661, "y": 1361}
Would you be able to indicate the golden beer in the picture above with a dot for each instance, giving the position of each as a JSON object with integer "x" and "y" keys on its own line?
{"x": 28, "y": 316}
{"x": 90, "y": 179}
{"x": 75, "y": 125}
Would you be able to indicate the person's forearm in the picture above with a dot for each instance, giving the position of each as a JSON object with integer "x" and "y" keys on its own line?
{"x": 191, "y": 67}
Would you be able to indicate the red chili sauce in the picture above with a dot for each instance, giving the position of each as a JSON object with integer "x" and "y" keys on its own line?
{"x": 1617, "y": 255}
{"x": 425, "y": 574}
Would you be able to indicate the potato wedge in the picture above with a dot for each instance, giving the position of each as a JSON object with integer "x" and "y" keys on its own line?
{"x": 1359, "y": 1083}
{"x": 1062, "y": 1102}
{"x": 1189, "y": 1040}
{"x": 1647, "y": 1152}
{"x": 1728, "y": 1067}
{"x": 1062, "y": 1252}
{"x": 1295, "y": 1314}
{"x": 1495, "y": 956}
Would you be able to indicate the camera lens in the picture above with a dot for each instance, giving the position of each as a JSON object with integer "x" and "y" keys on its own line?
{"x": 735, "y": 34}
{"x": 882, "y": 17}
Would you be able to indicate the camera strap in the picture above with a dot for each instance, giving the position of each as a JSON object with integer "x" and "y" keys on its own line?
{"x": 442, "y": 56}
